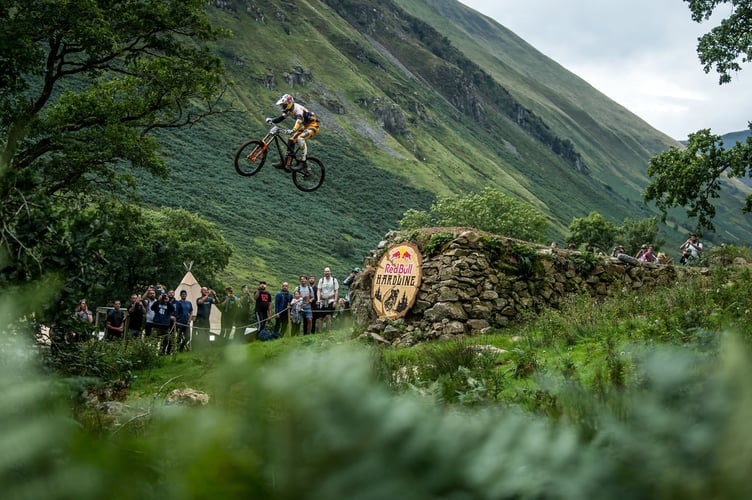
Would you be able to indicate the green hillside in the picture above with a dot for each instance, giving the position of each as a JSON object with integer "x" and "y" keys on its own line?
{"x": 418, "y": 99}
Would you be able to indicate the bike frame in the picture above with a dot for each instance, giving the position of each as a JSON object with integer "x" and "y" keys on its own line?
{"x": 271, "y": 136}
{"x": 306, "y": 175}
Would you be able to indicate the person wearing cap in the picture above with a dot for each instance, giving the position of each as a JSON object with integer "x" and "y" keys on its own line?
{"x": 183, "y": 315}
{"x": 643, "y": 249}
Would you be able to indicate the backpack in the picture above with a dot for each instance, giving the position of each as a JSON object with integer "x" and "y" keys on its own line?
{"x": 267, "y": 335}
{"x": 310, "y": 293}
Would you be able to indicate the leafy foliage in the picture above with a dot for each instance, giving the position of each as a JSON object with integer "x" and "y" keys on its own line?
{"x": 525, "y": 258}
{"x": 593, "y": 230}
{"x": 490, "y": 210}
{"x": 726, "y": 43}
{"x": 151, "y": 246}
{"x": 634, "y": 233}
{"x": 82, "y": 92}
{"x": 437, "y": 243}
{"x": 294, "y": 439}
{"x": 692, "y": 177}
{"x": 415, "y": 219}
{"x": 589, "y": 398}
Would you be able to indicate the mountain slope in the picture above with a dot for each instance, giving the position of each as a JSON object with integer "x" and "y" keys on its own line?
{"x": 418, "y": 99}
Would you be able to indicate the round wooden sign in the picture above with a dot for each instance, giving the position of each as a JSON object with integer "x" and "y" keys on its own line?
{"x": 396, "y": 281}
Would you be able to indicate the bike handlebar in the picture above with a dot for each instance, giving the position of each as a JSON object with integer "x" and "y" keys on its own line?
{"x": 276, "y": 129}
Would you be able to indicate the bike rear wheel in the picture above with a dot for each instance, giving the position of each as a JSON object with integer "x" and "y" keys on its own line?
{"x": 308, "y": 175}
{"x": 250, "y": 157}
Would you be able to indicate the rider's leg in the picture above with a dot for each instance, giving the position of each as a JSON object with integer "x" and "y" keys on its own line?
{"x": 303, "y": 148}
{"x": 310, "y": 131}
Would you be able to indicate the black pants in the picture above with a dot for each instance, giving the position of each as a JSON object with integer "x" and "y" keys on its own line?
{"x": 200, "y": 333}
{"x": 164, "y": 334}
{"x": 280, "y": 326}
{"x": 184, "y": 335}
{"x": 262, "y": 317}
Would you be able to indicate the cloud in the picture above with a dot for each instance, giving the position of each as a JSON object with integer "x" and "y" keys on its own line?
{"x": 642, "y": 54}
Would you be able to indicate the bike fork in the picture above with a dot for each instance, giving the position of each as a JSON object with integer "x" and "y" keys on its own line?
{"x": 256, "y": 153}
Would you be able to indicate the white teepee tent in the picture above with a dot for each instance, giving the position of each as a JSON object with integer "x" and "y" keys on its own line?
{"x": 193, "y": 289}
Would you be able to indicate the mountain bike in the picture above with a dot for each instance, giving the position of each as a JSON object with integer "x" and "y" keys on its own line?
{"x": 307, "y": 175}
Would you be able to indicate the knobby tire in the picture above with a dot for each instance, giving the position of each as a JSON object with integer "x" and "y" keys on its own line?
{"x": 309, "y": 175}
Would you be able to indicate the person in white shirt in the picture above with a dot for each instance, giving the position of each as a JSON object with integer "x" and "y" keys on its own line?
{"x": 327, "y": 296}
{"x": 691, "y": 249}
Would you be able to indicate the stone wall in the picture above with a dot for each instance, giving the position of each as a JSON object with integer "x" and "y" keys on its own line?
{"x": 473, "y": 281}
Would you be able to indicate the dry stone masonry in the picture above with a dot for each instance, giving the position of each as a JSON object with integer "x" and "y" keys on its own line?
{"x": 474, "y": 281}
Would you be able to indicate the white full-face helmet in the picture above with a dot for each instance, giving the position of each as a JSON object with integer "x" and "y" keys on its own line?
{"x": 286, "y": 102}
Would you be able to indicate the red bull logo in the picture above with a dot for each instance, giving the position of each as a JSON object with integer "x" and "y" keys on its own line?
{"x": 402, "y": 254}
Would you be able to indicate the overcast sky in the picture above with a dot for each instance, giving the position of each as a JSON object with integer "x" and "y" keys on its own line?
{"x": 640, "y": 53}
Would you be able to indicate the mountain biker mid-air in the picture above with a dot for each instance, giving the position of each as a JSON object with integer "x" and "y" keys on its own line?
{"x": 306, "y": 126}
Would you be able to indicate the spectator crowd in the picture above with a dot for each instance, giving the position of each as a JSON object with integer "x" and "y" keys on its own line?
{"x": 311, "y": 306}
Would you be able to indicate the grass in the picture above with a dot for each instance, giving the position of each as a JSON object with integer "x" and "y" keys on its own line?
{"x": 197, "y": 369}
{"x": 596, "y": 345}
{"x": 589, "y": 397}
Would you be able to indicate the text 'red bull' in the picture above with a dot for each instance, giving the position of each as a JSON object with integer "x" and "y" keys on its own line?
{"x": 398, "y": 268}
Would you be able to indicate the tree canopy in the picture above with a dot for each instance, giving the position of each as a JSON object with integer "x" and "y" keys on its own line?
{"x": 602, "y": 234}
{"x": 82, "y": 92}
{"x": 692, "y": 177}
{"x": 593, "y": 230}
{"x": 490, "y": 210}
{"x": 729, "y": 44}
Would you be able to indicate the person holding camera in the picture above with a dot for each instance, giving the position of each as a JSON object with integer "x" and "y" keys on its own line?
{"x": 691, "y": 249}
{"x": 203, "y": 311}
{"x": 263, "y": 305}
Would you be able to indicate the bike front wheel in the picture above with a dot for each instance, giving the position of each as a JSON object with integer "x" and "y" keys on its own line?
{"x": 308, "y": 175}
{"x": 250, "y": 157}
